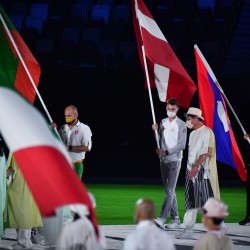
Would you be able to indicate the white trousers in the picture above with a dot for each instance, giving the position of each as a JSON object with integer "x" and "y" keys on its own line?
{"x": 189, "y": 219}
{"x": 52, "y": 227}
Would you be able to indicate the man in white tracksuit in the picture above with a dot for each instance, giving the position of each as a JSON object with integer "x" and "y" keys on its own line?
{"x": 173, "y": 136}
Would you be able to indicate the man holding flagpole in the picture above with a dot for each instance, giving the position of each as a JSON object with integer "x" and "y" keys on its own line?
{"x": 51, "y": 164}
{"x": 201, "y": 152}
{"x": 173, "y": 136}
{"x": 77, "y": 138}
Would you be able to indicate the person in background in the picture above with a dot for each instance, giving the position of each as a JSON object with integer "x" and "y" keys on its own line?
{"x": 173, "y": 136}
{"x": 213, "y": 214}
{"x": 21, "y": 212}
{"x": 201, "y": 162}
{"x": 147, "y": 236}
{"x": 76, "y": 136}
{"x": 80, "y": 233}
{"x": 246, "y": 221}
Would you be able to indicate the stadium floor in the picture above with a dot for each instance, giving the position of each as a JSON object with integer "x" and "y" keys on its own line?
{"x": 239, "y": 234}
{"x": 115, "y": 235}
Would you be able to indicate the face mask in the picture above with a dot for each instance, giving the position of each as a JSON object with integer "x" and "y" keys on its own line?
{"x": 189, "y": 124}
{"x": 69, "y": 120}
{"x": 171, "y": 114}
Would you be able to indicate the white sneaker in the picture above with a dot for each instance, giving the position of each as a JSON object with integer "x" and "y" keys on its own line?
{"x": 173, "y": 224}
{"x": 23, "y": 238}
{"x": 16, "y": 246}
{"x": 159, "y": 222}
{"x": 23, "y": 245}
{"x": 37, "y": 236}
{"x": 38, "y": 239}
{"x": 185, "y": 235}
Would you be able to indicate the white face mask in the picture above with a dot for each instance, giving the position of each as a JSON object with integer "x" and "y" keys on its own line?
{"x": 189, "y": 124}
{"x": 171, "y": 114}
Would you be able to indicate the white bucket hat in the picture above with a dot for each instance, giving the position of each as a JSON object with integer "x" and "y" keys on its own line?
{"x": 79, "y": 209}
{"x": 215, "y": 208}
{"x": 196, "y": 112}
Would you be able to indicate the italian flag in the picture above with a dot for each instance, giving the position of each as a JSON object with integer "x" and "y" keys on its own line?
{"x": 41, "y": 157}
{"x": 12, "y": 70}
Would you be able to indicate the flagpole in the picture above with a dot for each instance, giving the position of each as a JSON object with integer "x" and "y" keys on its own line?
{"x": 148, "y": 84}
{"x": 150, "y": 96}
{"x": 27, "y": 71}
{"x": 220, "y": 89}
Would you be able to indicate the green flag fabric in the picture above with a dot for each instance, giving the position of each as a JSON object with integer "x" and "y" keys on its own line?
{"x": 12, "y": 71}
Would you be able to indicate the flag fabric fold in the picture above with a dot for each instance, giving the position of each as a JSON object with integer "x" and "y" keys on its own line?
{"x": 12, "y": 71}
{"x": 166, "y": 73}
{"x": 216, "y": 117}
{"x": 41, "y": 157}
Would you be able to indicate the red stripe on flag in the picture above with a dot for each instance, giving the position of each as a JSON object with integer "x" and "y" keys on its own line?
{"x": 22, "y": 82}
{"x": 51, "y": 180}
{"x": 160, "y": 51}
{"x": 240, "y": 165}
{"x": 48, "y": 178}
{"x": 206, "y": 93}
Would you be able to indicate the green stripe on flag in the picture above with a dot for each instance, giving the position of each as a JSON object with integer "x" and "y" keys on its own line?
{"x": 8, "y": 62}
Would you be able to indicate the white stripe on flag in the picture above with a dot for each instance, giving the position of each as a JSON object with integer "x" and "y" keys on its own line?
{"x": 23, "y": 125}
{"x": 161, "y": 80}
{"x": 150, "y": 25}
{"x": 222, "y": 115}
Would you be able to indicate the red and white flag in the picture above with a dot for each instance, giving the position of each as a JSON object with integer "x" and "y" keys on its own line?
{"x": 164, "y": 68}
{"x": 41, "y": 157}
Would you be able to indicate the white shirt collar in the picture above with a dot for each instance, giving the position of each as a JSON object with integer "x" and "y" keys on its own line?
{"x": 173, "y": 119}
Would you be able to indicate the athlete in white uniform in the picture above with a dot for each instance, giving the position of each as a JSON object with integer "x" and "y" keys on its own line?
{"x": 173, "y": 136}
{"x": 77, "y": 138}
{"x": 147, "y": 236}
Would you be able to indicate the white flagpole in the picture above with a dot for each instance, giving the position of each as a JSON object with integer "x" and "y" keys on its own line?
{"x": 148, "y": 82}
{"x": 220, "y": 89}
{"x": 27, "y": 71}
